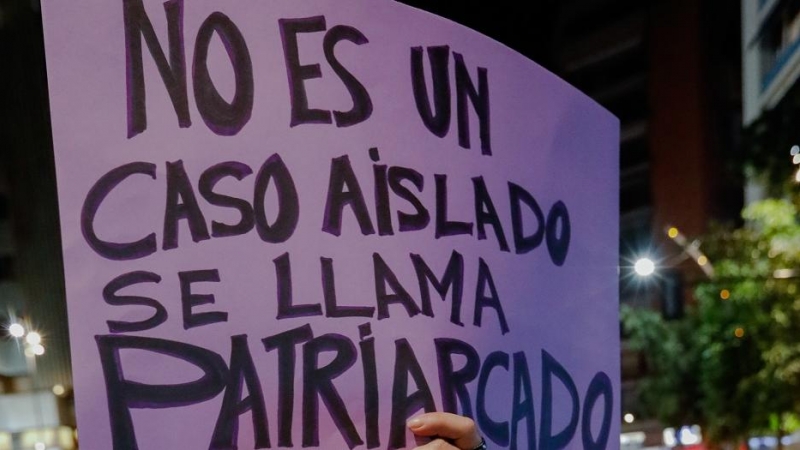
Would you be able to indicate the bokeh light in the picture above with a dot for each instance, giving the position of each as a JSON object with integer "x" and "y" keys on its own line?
{"x": 33, "y": 338}
{"x": 644, "y": 267}
{"x": 16, "y": 330}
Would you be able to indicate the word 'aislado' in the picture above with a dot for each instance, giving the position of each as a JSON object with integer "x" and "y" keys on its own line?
{"x": 344, "y": 192}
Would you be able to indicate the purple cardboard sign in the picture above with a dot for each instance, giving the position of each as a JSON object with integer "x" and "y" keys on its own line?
{"x": 298, "y": 224}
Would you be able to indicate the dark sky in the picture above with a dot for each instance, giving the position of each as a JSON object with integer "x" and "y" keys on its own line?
{"x": 527, "y": 27}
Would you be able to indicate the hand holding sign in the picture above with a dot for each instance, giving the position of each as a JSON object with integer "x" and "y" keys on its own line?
{"x": 460, "y": 432}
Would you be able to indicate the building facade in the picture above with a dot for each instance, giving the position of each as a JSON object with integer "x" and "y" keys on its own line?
{"x": 770, "y": 53}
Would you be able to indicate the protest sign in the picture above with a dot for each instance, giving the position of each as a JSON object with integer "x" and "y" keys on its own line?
{"x": 298, "y": 224}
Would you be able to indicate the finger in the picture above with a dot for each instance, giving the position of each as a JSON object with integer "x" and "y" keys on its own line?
{"x": 437, "y": 444}
{"x": 461, "y": 430}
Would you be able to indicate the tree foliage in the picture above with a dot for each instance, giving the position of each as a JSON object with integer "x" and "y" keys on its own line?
{"x": 669, "y": 393}
{"x": 732, "y": 363}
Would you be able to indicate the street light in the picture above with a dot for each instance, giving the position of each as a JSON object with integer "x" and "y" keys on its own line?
{"x": 16, "y": 330}
{"x": 33, "y": 338}
{"x": 669, "y": 279}
{"x": 644, "y": 267}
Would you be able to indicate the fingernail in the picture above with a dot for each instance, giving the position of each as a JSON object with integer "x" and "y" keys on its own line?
{"x": 414, "y": 423}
